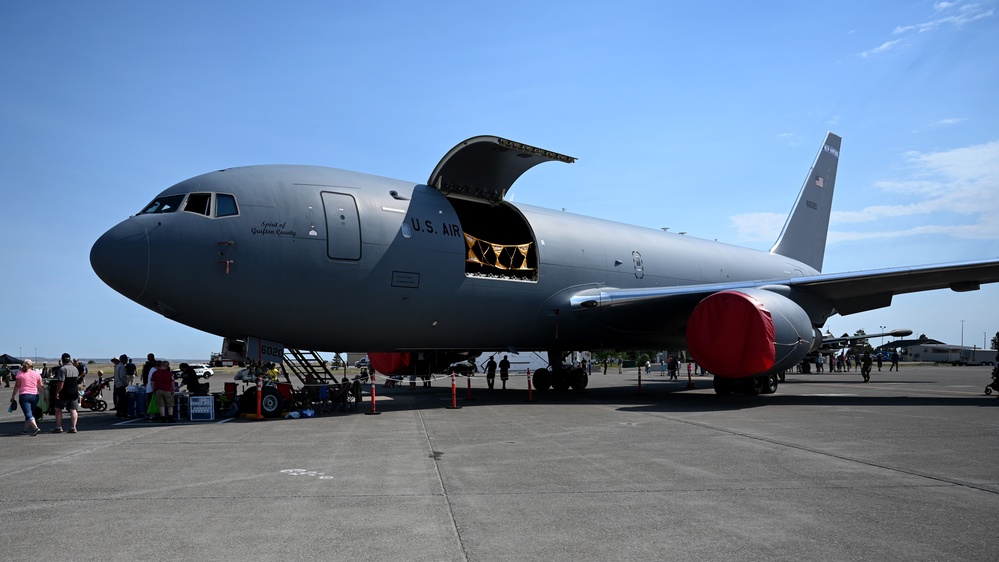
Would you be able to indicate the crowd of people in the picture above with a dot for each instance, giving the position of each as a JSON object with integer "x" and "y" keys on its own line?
{"x": 58, "y": 391}
{"x": 157, "y": 382}
{"x": 844, "y": 362}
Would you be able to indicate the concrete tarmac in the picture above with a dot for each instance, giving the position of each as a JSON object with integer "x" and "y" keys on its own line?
{"x": 905, "y": 467}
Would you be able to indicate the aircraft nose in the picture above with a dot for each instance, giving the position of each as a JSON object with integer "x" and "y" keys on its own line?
{"x": 121, "y": 258}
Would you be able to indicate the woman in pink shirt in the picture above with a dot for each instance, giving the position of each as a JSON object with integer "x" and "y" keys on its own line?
{"x": 27, "y": 387}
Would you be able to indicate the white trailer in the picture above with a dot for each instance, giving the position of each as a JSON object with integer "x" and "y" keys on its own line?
{"x": 939, "y": 353}
{"x": 975, "y": 356}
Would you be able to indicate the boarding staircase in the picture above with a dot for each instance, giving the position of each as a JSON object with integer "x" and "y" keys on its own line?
{"x": 309, "y": 367}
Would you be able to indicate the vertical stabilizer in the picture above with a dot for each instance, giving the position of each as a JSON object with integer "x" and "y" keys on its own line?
{"x": 804, "y": 234}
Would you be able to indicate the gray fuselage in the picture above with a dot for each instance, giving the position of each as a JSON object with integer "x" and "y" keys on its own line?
{"x": 299, "y": 266}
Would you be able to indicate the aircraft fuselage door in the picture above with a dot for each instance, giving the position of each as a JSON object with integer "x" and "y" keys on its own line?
{"x": 343, "y": 241}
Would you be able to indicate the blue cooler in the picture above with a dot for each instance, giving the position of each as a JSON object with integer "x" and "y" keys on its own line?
{"x": 135, "y": 400}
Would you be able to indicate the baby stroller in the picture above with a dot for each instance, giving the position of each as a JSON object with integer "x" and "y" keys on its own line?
{"x": 91, "y": 396}
{"x": 994, "y": 385}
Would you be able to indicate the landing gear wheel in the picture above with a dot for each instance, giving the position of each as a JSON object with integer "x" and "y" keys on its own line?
{"x": 578, "y": 379}
{"x": 542, "y": 379}
{"x": 988, "y": 390}
{"x": 271, "y": 402}
{"x": 753, "y": 386}
{"x": 560, "y": 380}
{"x": 769, "y": 384}
{"x": 723, "y": 386}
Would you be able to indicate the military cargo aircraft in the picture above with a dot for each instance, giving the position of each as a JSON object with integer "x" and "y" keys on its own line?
{"x": 421, "y": 275}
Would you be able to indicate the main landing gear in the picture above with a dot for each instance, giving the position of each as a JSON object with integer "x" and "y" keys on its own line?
{"x": 560, "y": 377}
{"x": 751, "y": 386}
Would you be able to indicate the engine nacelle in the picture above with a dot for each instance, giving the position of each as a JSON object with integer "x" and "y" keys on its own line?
{"x": 745, "y": 332}
{"x": 391, "y": 363}
{"x": 413, "y": 362}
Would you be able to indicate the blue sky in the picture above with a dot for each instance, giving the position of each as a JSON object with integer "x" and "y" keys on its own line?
{"x": 702, "y": 117}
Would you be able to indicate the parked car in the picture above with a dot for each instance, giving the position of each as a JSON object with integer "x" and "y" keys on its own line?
{"x": 463, "y": 368}
{"x": 362, "y": 363}
{"x": 203, "y": 371}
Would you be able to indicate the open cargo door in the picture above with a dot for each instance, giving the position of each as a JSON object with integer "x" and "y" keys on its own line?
{"x": 483, "y": 168}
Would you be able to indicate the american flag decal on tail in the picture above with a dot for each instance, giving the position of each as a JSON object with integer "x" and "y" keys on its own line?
{"x": 819, "y": 181}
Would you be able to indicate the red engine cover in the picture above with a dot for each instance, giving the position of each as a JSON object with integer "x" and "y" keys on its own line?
{"x": 390, "y": 363}
{"x": 731, "y": 334}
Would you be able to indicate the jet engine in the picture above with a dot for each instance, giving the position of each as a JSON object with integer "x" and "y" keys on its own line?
{"x": 745, "y": 332}
{"x": 414, "y": 362}
{"x": 390, "y": 363}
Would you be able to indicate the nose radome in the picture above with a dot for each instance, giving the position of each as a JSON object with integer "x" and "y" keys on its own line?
{"x": 121, "y": 258}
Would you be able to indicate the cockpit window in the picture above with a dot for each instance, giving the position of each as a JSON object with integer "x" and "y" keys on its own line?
{"x": 225, "y": 205}
{"x": 199, "y": 203}
{"x": 167, "y": 204}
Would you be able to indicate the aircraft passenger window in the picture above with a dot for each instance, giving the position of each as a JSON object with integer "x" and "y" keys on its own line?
{"x": 225, "y": 205}
{"x": 199, "y": 203}
{"x": 167, "y": 204}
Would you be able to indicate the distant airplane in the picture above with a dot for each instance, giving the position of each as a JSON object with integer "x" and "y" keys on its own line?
{"x": 423, "y": 275}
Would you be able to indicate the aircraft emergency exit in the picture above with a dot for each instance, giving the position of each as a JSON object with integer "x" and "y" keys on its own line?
{"x": 424, "y": 274}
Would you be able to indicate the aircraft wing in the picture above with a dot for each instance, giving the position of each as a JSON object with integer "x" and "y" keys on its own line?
{"x": 866, "y": 290}
{"x": 848, "y": 293}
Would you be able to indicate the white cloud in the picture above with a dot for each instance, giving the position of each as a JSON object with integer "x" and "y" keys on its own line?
{"x": 965, "y": 14}
{"x": 886, "y": 46}
{"x": 952, "y": 193}
{"x": 757, "y": 227}
{"x": 878, "y": 212}
{"x": 951, "y": 13}
{"x": 962, "y": 182}
{"x": 955, "y": 231}
{"x": 948, "y": 121}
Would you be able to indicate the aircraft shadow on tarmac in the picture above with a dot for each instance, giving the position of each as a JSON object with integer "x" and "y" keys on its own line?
{"x": 656, "y": 397}
{"x": 689, "y": 402}
{"x": 857, "y": 381}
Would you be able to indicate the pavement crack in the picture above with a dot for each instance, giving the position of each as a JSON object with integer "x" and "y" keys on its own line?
{"x": 436, "y": 456}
